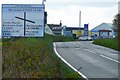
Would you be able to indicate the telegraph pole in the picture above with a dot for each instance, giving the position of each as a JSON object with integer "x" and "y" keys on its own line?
{"x": 80, "y": 21}
{"x": 43, "y": 1}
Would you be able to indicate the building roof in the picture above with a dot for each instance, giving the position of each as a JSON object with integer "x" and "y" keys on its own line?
{"x": 103, "y": 26}
{"x": 110, "y": 24}
{"x": 74, "y": 28}
{"x": 54, "y": 25}
{"x": 48, "y": 30}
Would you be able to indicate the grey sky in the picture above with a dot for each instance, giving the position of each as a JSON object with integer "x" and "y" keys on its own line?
{"x": 94, "y": 12}
{"x": 84, "y": 4}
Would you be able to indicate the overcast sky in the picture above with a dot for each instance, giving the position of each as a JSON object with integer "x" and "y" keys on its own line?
{"x": 93, "y": 12}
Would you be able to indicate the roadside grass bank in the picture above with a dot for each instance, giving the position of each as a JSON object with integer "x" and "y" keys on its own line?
{"x": 0, "y": 41}
{"x": 34, "y": 58}
{"x": 110, "y": 43}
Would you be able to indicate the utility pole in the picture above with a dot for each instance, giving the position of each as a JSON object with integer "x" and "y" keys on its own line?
{"x": 44, "y": 15}
{"x": 80, "y": 22}
{"x": 43, "y": 1}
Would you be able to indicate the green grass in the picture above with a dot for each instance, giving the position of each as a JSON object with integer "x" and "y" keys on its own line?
{"x": 110, "y": 43}
{"x": 34, "y": 58}
{"x": 0, "y": 42}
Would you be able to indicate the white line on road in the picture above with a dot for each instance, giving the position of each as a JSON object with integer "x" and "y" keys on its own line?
{"x": 76, "y": 44}
{"x": 68, "y": 63}
{"x": 110, "y": 58}
{"x": 90, "y": 51}
{"x": 86, "y": 49}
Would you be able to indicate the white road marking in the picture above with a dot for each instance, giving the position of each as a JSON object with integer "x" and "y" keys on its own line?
{"x": 76, "y": 44}
{"x": 110, "y": 58}
{"x": 76, "y": 48}
{"x": 86, "y": 49}
{"x": 90, "y": 51}
{"x": 68, "y": 63}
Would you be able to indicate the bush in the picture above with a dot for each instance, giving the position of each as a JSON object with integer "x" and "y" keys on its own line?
{"x": 33, "y": 58}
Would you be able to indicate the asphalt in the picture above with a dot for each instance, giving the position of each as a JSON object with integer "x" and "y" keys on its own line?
{"x": 0, "y": 62}
{"x": 93, "y": 61}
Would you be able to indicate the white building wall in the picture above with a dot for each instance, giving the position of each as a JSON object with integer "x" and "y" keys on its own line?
{"x": 48, "y": 30}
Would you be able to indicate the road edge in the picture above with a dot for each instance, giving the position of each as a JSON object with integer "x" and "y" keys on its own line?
{"x": 54, "y": 45}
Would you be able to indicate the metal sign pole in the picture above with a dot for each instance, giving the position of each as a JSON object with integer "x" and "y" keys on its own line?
{"x": 24, "y": 23}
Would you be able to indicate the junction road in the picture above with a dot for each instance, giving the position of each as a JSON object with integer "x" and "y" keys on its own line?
{"x": 93, "y": 61}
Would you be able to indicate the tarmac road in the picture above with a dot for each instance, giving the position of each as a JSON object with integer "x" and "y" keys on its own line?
{"x": 94, "y": 61}
{"x": 0, "y": 62}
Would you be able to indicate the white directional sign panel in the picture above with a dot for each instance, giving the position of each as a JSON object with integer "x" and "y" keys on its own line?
{"x": 22, "y": 20}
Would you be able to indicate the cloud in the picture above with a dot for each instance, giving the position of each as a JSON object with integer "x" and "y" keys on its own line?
{"x": 82, "y": 0}
{"x": 94, "y": 12}
{"x": 21, "y": 1}
{"x": 92, "y": 15}
{"x": 85, "y": 3}
{"x": 82, "y": 4}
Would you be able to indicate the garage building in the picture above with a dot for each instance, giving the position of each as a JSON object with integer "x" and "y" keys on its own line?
{"x": 104, "y": 30}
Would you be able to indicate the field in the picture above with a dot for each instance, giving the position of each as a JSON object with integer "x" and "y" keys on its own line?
{"x": 34, "y": 58}
{"x": 110, "y": 43}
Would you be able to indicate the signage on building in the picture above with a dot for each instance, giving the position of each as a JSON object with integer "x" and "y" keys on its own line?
{"x": 85, "y": 29}
{"x": 22, "y": 20}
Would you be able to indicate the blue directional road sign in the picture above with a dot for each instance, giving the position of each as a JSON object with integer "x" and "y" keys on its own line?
{"x": 85, "y": 29}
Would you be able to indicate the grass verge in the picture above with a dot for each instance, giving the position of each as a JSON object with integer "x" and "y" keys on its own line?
{"x": 110, "y": 43}
{"x": 34, "y": 58}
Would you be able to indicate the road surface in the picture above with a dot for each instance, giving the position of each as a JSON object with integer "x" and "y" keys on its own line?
{"x": 0, "y": 62}
{"x": 94, "y": 61}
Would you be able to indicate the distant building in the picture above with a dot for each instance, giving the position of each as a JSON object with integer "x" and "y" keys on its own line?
{"x": 56, "y": 28}
{"x": 48, "y": 30}
{"x": 104, "y": 30}
{"x": 89, "y": 33}
{"x": 72, "y": 31}
{"x": 76, "y": 31}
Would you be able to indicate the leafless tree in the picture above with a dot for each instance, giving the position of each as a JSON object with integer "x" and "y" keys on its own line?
{"x": 116, "y": 25}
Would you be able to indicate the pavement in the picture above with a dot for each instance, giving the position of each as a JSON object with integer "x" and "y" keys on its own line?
{"x": 93, "y": 61}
